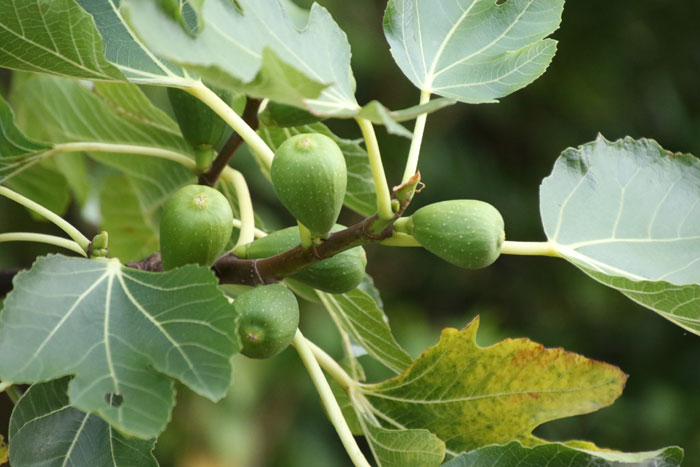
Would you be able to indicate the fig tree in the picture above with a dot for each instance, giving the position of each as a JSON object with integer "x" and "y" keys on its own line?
{"x": 195, "y": 227}
{"x": 269, "y": 317}
{"x": 310, "y": 177}
{"x": 466, "y": 233}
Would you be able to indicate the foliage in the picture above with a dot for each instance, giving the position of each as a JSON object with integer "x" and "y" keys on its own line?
{"x": 102, "y": 341}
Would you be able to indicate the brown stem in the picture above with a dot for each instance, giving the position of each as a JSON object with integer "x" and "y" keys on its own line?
{"x": 250, "y": 115}
{"x": 233, "y": 270}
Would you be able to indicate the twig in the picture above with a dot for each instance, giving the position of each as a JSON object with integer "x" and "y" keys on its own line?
{"x": 250, "y": 116}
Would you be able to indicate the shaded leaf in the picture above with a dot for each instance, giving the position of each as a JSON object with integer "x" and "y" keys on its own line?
{"x": 561, "y": 455}
{"x": 471, "y": 396}
{"x": 360, "y": 195}
{"x": 114, "y": 113}
{"x": 16, "y": 150}
{"x": 357, "y": 314}
{"x": 43, "y": 185}
{"x": 401, "y": 448}
{"x": 132, "y": 227}
{"x": 123, "y": 333}
{"x": 267, "y": 55}
{"x": 626, "y": 212}
{"x": 69, "y": 436}
{"x": 473, "y": 51}
{"x": 56, "y": 37}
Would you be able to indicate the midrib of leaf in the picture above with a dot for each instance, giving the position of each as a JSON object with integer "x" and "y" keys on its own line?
{"x": 157, "y": 325}
{"x": 474, "y": 398}
{"x": 150, "y": 55}
{"x": 431, "y": 76}
{"x": 75, "y": 440}
{"x": 494, "y": 80}
{"x": 389, "y": 361}
{"x": 487, "y": 46}
{"x": 60, "y": 323}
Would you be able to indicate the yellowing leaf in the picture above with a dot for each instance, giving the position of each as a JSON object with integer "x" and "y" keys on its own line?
{"x": 472, "y": 396}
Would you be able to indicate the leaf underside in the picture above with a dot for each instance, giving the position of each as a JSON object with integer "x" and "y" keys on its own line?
{"x": 626, "y": 213}
{"x": 474, "y": 51}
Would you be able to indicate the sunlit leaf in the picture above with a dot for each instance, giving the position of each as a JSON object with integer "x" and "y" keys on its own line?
{"x": 123, "y": 333}
{"x": 123, "y": 48}
{"x": 360, "y": 194}
{"x": 626, "y": 213}
{"x": 560, "y": 455}
{"x": 473, "y": 51}
{"x": 56, "y": 37}
{"x": 266, "y": 54}
{"x": 69, "y": 436}
{"x": 471, "y": 396}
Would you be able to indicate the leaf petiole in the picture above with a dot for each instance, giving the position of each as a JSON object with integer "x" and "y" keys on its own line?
{"x": 64, "y": 225}
{"x": 331, "y": 405}
{"x": 245, "y": 205}
{"x": 239, "y": 125}
{"x": 417, "y": 141}
{"x": 332, "y": 367}
{"x": 375, "y": 161}
{"x": 42, "y": 238}
{"x": 530, "y": 249}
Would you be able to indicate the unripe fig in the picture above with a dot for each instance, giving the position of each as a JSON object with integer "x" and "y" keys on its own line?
{"x": 195, "y": 227}
{"x": 310, "y": 178}
{"x": 339, "y": 274}
{"x": 466, "y": 233}
{"x": 269, "y": 317}
{"x": 200, "y": 125}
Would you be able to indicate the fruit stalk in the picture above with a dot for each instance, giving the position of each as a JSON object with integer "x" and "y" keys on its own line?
{"x": 238, "y": 124}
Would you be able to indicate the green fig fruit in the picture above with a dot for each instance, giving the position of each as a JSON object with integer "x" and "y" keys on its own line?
{"x": 466, "y": 233}
{"x": 195, "y": 227}
{"x": 269, "y": 317}
{"x": 310, "y": 177}
{"x": 200, "y": 125}
{"x": 339, "y": 274}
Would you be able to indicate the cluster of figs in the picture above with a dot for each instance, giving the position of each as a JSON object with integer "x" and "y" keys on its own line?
{"x": 309, "y": 175}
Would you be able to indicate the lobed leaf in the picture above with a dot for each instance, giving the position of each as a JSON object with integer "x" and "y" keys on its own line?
{"x": 626, "y": 213}
{"x": 267, "y": 54}
{"x": 123, "y": 333}
{"x": 470, "y": 396}
{"x": 55, "y": 37}
{"x": 69, "y": 436}
{"x": 560, "y": 455}
{"x": 474, "y": 51}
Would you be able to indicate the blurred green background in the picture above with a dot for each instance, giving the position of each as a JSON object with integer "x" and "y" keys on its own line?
{"x": 623, "y": 68}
